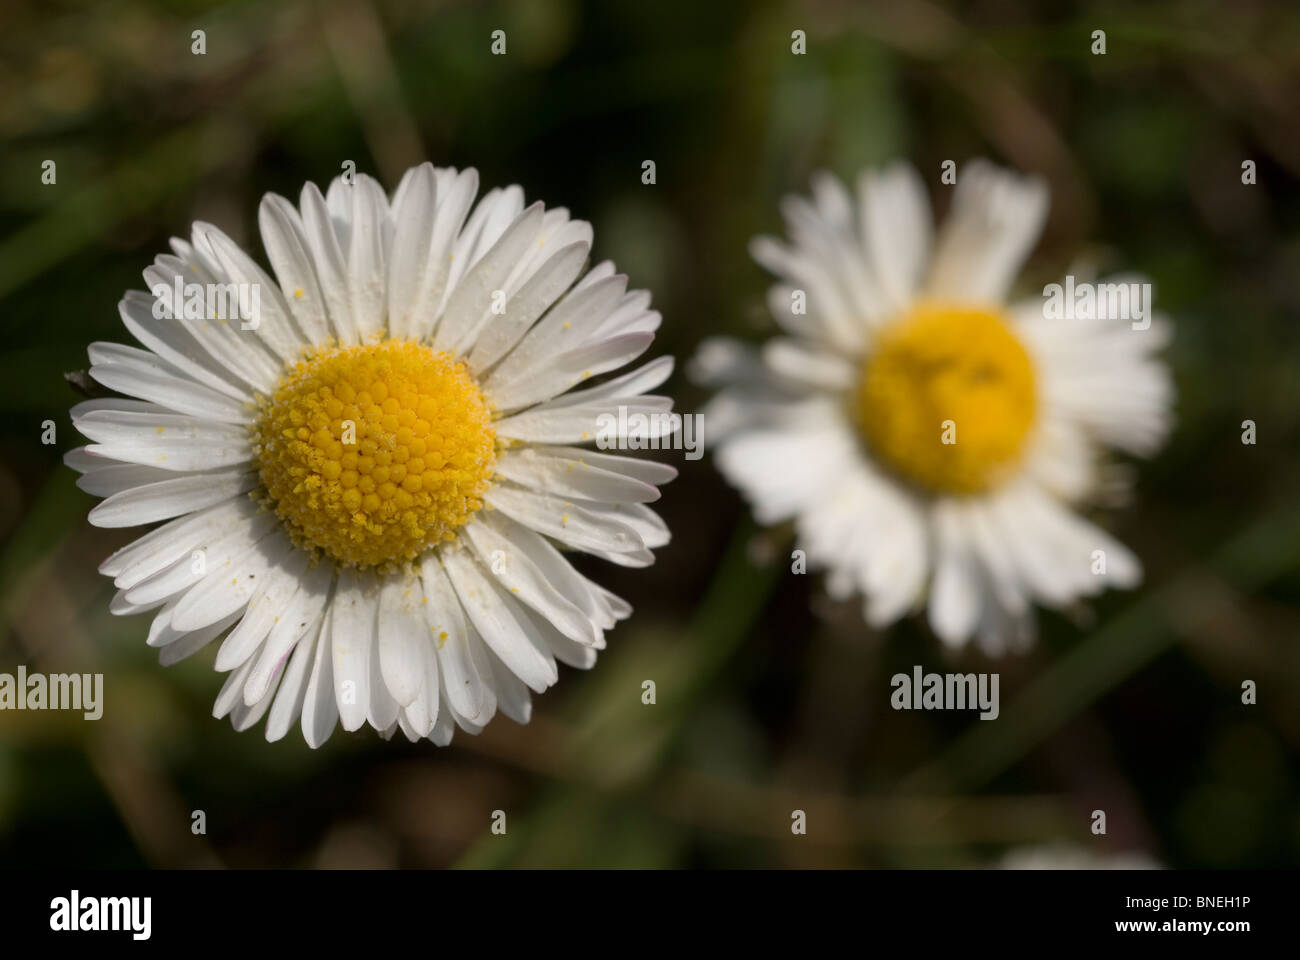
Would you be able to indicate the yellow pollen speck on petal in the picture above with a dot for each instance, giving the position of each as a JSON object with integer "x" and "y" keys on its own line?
{"x": 418, "y": 456}
{"x": 297, "y": 293}
{"x": 947, "y": 398}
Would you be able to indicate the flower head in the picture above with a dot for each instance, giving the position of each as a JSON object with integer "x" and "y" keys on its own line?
{"x": 928, "y": 436}
{"x": 372, "y": 464}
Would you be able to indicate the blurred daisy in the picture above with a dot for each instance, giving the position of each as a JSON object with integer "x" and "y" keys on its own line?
{"x": 928, "y": 437}
{"x": 373, "y": 474}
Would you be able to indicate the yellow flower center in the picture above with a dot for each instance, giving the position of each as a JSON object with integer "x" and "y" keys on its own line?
{"x": 374, "y": 453}
{"x": 947, "y": 397}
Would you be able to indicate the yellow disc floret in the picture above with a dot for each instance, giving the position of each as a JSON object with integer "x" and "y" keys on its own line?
{"x": 947, "y": 397}
{"x": 374, "y": 453}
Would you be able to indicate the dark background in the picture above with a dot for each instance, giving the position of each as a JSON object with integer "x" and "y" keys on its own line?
{"x": 771, "y": 697}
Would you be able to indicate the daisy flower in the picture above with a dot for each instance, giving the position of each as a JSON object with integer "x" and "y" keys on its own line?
{"x": 928, "y": 437}
{"x": 370, "y": 479}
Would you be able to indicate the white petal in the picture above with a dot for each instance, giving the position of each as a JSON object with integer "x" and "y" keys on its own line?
{"x": 403, "y": 637}
{"x": 331, "y": 271}
{"x": 523, "y": 309}
{"x": 300, "y": 618}
{"x": 896, "y": 229}
{"x": 293, "y": 688}
{"x": 566, "y": 370}
{"x": 160, "y": 548}
{"x": 143, "y": 374}
{"x": 268, "y": 604}
{"x": 564, "y": 327}
{"x": 808, "y": 366}
{"x": 175, "y": 343}
{"x": 164, "y": 499}
{"x": 270, "y": 321}
{"x": 512, "y": 693}
{"x": 320, "y": 710}
{"x": 470, "y": 304}
{"x": 994, "y": 222}
{"x": 455, "y": 195}
{"x": 492, "y": 615}
{"x": 107, "y": 477}
{"x": 513, "y": 570}
{"x": 367, "y": 274}
{"x": 556, "y": 569}
{"x": 625, "y": 387}
{"x": 560, "y": 422}
{"x": 955, "y": 599}
{"x": 467, "y": 693}
{"x": 230, "y": 585}
{"x": 351, "y": 637}
{"x": 231, "y": 691}
{"x": 289, "y": 251}
{"x": 564, "y": 520}
{"x": 185, "y": 645}
{"x": 218, "y": 547}
{"x": 651, "y": 472}
{"x": 415, "y": 207}
{"x": 168, "y": 441}
{"x": 572, "y": 477}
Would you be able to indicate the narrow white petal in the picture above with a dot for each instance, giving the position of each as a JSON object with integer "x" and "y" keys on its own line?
{"x": 569, "y": 477}
{"x": 185, "y": 645}
{"x": 271, "y": 321}
{"x": 352, "y": 634}
{"x": 492, "y": 616}
{"x": 367, "y": 274}
{"x": 216, "y": 550}
{"x": 514, "y": 571}
{"x": 403, "y": 637}
{"x": 331, "y": 270}
{"x": 566, "y": 370}
{"x": 158, "y": 549}
{"x": 466, "y": 691}
{"x": 955, "y": 599}
{"x": 994, "y": 222}
{"x": 470, "y": 304}
{"x": 268, "y": 604}
{"x": 524, "y": 307}
{"x": 560, "y": 422}
{"x": 230, "y": 585}
{"x": 164, "y": 499}
{"x": 167, "y": 441}
{"x": 143, "y": 374}
{"x": 287, "y": 247}
{"x": 415, "y": 208}
{"x": 301, "y": 617}
{"x": 320, "y": 710}
{"x": 176, "y": 344}
{"x": 564, "y": 520}
{"x": 293, "y": 688}
{"x": 896, "y": 229}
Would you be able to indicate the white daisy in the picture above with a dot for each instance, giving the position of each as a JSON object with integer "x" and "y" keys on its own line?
{"x": 368, "y": 493}
{"x": 925, "y": 435}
